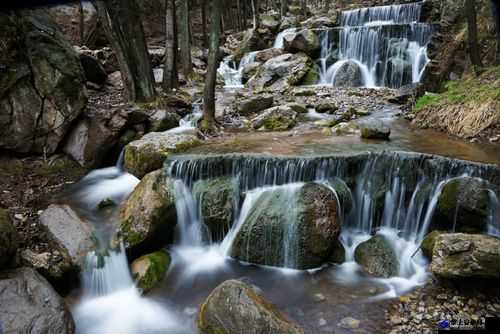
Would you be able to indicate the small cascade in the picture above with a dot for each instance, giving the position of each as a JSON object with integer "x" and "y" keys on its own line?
{"x": 280, "y": 38}
{"x": 232, "y": 74}
{"x": 188, "y": 221}
{"x": 382, "y": 46}
{"x": 494, "y": 215}
{"x": 190, "y": 121}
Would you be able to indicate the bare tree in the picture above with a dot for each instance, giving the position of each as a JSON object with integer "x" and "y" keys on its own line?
{"x": 123, "y": 28}
{"x": 474, "y": 51}
{"x": 213, "y": 64}
{"x": 184, "y": 41}
{"x": 170, "y": 76}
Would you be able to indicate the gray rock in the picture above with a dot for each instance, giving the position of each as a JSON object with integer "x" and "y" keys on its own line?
{"x": 265, "y": 55}
{"x": 42, "y": 85}
{"x": 233, "y": 307}
{"x": 28, "y": 304}
{"x": 288, "y": 22}
{"x": 162, "y": 120}
{"x": 461, "y": 256}
{"x": 348, "y": 75}
{"x": 319, "y": 22}
{"x": 290, "y": 227}
{"x": 280, "y": 118}
{"x": 377, "y": 257}
{"x": 249, "y": 70}
{"x": 305, "y": 41}
{"x": 327, "y": 107}
{"x": 254, "y": 105}
{"x": 71, "y": 236}
{"x": 9, "y": 238}
{"x": 375, "y": 130}
{"x": 94, "y": 71}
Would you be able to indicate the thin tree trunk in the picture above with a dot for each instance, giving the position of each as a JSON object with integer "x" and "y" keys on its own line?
{"x": 474, "y": 51}
{"x": 284, "y": 7}
{"x": 187, "y": 66}
{"x": 204, "y": 5}
{"x": 81, "y": 28}
{"x": 496, "y": 16}
{"x": 255, "y": 11}
{"x": 213, "y": 64}
{"x": 122, "y": 26}
{"x": 170, "y": 77}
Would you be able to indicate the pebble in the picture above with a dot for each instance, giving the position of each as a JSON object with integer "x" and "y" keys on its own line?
{"x": 322, "y": 322}
{"x": 319, "y": 297}
{"x": 349, "y": 323}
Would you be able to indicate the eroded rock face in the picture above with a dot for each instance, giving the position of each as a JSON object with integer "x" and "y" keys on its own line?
{"x": 281, "y": 72}
{"x": 28, "y": 304}
{"x": 217, "y": 199}
{"x": 301, "y": 224}
{"x": 148, "y": 153}
{"x": 377, "y": 257}
{"x": 41, "y": 83}
{"x": 234, "y": 307}
{"x": 149, "y": 212}
{"x": 150, "y": 269}
{"x": 463, "y": 206}
{"x": 8, "y": 238}
{"x": 71, "y": 236}
{"x": 461, "y": 256}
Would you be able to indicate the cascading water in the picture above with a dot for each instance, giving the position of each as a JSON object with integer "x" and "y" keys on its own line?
{"x": 232, "y": 74}
{"x": 382, "y": 46}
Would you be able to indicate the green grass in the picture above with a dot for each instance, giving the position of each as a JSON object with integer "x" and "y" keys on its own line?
{"x": 426, "y": 100}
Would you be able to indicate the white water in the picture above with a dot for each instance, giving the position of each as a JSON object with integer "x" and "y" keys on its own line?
{"x": 190, "y": 121}
{"x": 232, "y": 74}
{"x": 386, "y": 44}
{"x": 280, "y": 38}
{"x": 494, "y": 215}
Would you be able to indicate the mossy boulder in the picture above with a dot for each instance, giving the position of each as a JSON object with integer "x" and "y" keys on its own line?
{"x": 299, "y": 108}
{"x": 218, "y": 199}
{"x": 9, "y": 239}
{"x": 377, "y": 257}
{"x": 343, "y": 193}
{"x": 338, "y": 254}
{"x": 305, "y": 41}
{"x": 464, "y": 205}
{"x": 234, "y": 307}
{"x": 148, "y": 153}
{"x": 461, "y": 256}
{"x": 291, "y": 226}
{"x": 254, "y": 105}
{"x": 148, "y": 217}
{"x": 279, "y": 118}
{"x": 375, "y": 130}
{"x": 427, "y": 245}
{"x": 253, "y": 40}
{"x": 150, "y": 269}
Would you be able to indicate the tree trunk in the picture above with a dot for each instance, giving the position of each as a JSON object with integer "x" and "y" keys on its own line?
{"x": 204, "y": 5}
{"x": 81, "y": 28}
{"x": 284, "y": 7}
{"x": 474, "y": 51}
{"x": 255, "y": 11}
{"x": 123, "y": 28}
{"x": 187, "y": 66}
{"x": 170, "y": 77}
{"x": 213, "y": 64}
{"x": 496, "y": 16}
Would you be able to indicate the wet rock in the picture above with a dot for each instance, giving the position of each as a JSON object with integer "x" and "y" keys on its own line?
{"x": 345, "y": 128}
{"x": 94, "y": 72}
{"x": 233, "y": 305}
{"x": 148, "y": 153}
{"x": 288, "y": 22}
{"x": 461, "y": 256}
{"x": 463, "y": 205}
{"x": 271, "y": 22}
{"x": 377, "y": 257}
{"x": 327, "y": 108}
{"x": 281, "y": 72}
{"x": 252, "y": 41}
{"x": 348, "y": 75}
{"x": 375, "y": 130}
{"x": 69, "y": 234}
{"x": 43, "y": 263}
{"x": 338, "y": 253}
{"x": 255, "y": 105}
{"x": 319, "y": 22}
{"x": 249, "y": 70}
{"x": 160, "y": 120}
{"x": 427, "y": 245}
{"x": 305, "y": 41}
{"x": 42, "y": 84}
{"x": 265, "y": 55}
{"x": 9, "y": 239}
{"x": 280, "y": 118}
{"x": 217, "y": 200}
{"x": 301, "y": 225}
{"x": 148, "y": 217}
{"x": 28, "y": 304}
{"x": 343, "y": 193}
{"x": 349, "y": 323}
{"x": 150, "y": 269}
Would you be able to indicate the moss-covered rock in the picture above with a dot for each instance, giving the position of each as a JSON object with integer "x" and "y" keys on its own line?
{"x": 8, "y": 238}
{"x": 217, "y": 200}
{"x": 150, "y": 269}
{"x": 149, "y": 215}
{"x": 427, "y": 245}
{"x": 254, "y": 105}
{"x": 305, "y": 41}
{"x": 463, "y": 206}
{"x": 234, "y": 307}
{"x": 280, "y": 118}
{"x": 148, "y": 153}
{"x": 461, "y": 256}
{"x": 377, "y": 257}
{"x": 338, "y": 253}
{"x": 292, "y": 226}
{"x": 299, "y": 108}
{"x": 327, "y": 107}
{"x": 375, "y": 130}
{"x": 343, "y": 193}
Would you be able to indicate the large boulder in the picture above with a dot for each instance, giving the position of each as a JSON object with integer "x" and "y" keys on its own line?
{"x": 265, "y": 55}
{"x": 150, "y": 269}
{"x": 279, "y": 118}
{"x": 318, "y": 22}
{"x": 348, "y": 75}
{"x": 234, "y": 307}
{"x": 254, "y": 105}
{"x": 377, "y": 257}
{"x": 375, "y": 130}
{"x": 42, "y": 85}
{"x": 462, "y": 256}
{"x": 463, "y": 206}
{"x": 9, "y": 238}
{"x": 292, "y": 226}
{"x": 148, "y": 153}
{"x": 69, "y": 234}
{"x": 28, "y": 304}
{"x": 279, "y": 73}
{"x": 305, "y": 41}
{"x": 270, "y": 22}
{"x": 252, "y": 41}
{"x": 218, "y": 199}
{"x": 149, "y": 215}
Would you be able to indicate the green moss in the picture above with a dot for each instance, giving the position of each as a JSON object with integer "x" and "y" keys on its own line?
{"x": 157, "y": 264}
{"x": 448, "y": 198}
{"x": 428, "y": 243}
{"x": 128, "y": 234}
{"x": 276, "y": 123}
{"x": 311, "y": 77}
{"x": 425, "y": 101}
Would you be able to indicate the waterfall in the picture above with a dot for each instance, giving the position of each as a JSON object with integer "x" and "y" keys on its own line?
{"x": 280, "y": 38}
{"x": 190, "y": 121}
{"x": 494, "y": 215}
{"x": 232, "y": 74}
{"x": 382, "y": 46}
